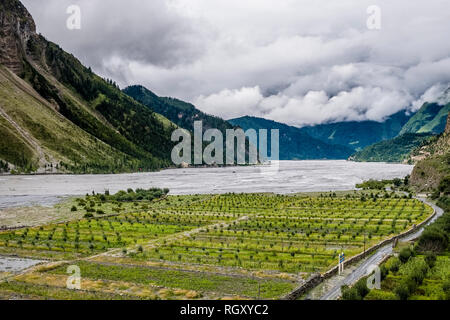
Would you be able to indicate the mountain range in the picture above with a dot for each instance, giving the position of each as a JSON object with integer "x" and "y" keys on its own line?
{"x": 429, "y": 121}
{"x": 392, "y": 140}
{"x": 327, "y": 141}
{"x": 294, "y": 144}
{"x": 56, "y": 115}
{"x": 358, "y": 135}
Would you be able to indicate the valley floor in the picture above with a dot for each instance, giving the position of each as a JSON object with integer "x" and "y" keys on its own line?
{"x": 233, "y": 246}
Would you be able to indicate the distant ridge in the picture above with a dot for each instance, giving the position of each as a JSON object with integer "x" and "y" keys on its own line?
{"x": 295, "y": 144}
{"x": 397, "y": 149}
{"x": 182, "y": 113}
{"x": 418, "y": 132}
{"x": 358, "y": 135}
{"x": 431, "y": 118}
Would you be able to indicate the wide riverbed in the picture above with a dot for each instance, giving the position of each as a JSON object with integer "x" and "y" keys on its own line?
{"x": 287, "y": 177}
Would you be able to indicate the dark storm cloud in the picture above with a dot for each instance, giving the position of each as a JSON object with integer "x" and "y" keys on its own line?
{"x": 148, "y": 32}
{"x": 299, "y": 62}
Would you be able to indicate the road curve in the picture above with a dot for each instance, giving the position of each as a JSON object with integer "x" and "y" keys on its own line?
{"x": 335, "y": 292}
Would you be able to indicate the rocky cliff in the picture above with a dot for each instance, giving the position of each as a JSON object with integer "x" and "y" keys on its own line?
{"x": 16, "y": 29}
{"x": 429, "y": 172}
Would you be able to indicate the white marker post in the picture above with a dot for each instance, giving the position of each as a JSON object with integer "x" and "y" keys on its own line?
{"x": 341, "y": 262}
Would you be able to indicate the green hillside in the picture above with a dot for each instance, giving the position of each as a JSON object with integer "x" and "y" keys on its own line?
{"x": 431, "y": 118}
{"x": 414, "y": 138}
{"x": 34, "y": 134}
{"x": 429, "y": 173}
{"x": 179, "y": 112}
{"x": 109, "y": 131}
{"x": 295, "y": 144}
{"x": 394, "y": 150}
{"x": 358, "y": 135}
{"x": 182, "y": 113}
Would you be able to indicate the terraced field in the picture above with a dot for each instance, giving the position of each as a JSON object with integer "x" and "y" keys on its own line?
{"x": 202, "y": 247}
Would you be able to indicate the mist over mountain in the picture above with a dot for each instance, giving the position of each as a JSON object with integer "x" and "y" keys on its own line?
{"x": 428, "y": 122}
{"x": 357, "y": 135}
{"x": 431, "y": 118}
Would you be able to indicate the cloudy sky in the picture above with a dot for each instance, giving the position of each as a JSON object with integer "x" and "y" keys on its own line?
{"x": 294, "y": 61}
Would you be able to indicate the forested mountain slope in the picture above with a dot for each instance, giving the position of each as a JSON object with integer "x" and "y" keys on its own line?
{"x": 93, "y": 113}
{"x": 358, "y": 135}
{"x": 431, "y": 118}
{"x": 295, "y": 144}
{"x": 416, "y": 133}
{"x": 179, "y": 112}
{"x": 393, "y": 150}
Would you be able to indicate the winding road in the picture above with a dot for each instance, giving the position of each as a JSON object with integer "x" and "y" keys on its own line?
{"x": 335, "y": 292}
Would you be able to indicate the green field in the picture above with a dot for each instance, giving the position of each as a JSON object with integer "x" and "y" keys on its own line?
{"x": 202, "y": 247}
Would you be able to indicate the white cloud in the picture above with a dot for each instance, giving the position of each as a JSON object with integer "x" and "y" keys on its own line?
{"x": 232, "y": 103}
{"x": 314, "y": 107}
{"x": 436, "y": 93}
{"x": 301, "y": 62}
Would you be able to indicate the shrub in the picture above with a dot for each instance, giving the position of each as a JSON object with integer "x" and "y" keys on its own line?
{"x": 417, "y": 277}
{"x": 350, "y": 294}
{"x": 384, "y": 271}
{"x": 88, "y": 215}
{"x": 444, "y": 185}
{"x": 405, "y": 254}
{"x": 381, "y": 295}
{"x": 393, "y": 264}
{"x": 433, "y": 239}
{"x": 446, "y": 288}
{"x": 402, "y": 291}
{"x": 73, "y": 209}
{"x": 410, "y": 284}
{"x": 414, "y": 271}
{"x": 430, "y": 259}
{"x": 361, "y": 287}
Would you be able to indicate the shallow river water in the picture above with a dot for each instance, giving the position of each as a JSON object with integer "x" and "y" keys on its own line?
{"x": 9, "y": 264}
{"x": 285, "y": 177}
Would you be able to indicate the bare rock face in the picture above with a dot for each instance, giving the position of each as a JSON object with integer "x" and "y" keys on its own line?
{"x": 428, "y": 173}
{"x": 16, "y": 28}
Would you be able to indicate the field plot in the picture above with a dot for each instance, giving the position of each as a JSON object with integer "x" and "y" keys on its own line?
{"x": 290, "y": 234}
{"x": 203, "y": 247}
